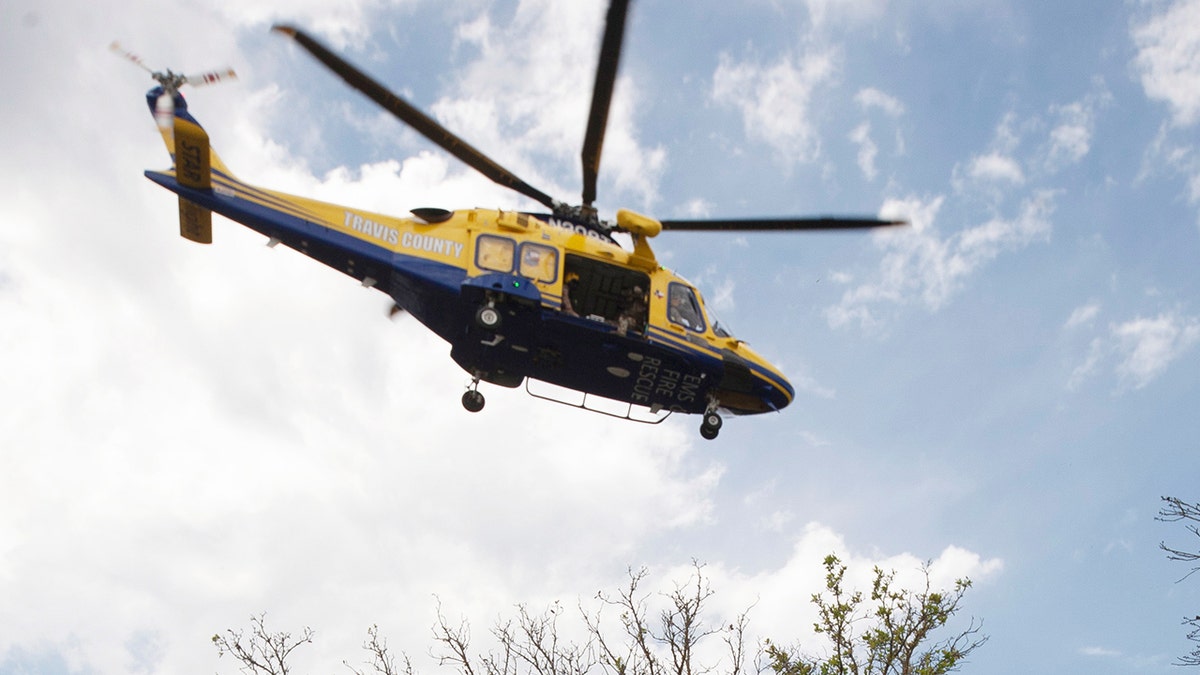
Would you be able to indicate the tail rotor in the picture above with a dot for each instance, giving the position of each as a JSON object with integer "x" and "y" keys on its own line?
{"x": 170, "y": 81}
{"x": 186, "y": 140}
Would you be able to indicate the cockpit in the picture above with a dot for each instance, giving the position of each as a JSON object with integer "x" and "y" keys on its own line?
{"x": 684, "y": 309}
{"x": 623, "y": 297}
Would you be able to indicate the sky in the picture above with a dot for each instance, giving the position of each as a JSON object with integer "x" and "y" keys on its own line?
{"x": 1004, "y": 389}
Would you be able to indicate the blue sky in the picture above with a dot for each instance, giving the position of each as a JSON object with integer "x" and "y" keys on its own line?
{"x": 1005, "y": 388}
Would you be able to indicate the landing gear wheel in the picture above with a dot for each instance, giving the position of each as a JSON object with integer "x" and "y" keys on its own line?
{"x": 711, "y": 425}
{"x": 488, "y": 317}
{"x": 473, "y": 401}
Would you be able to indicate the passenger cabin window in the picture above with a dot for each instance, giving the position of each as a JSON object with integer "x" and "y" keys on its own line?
{"x": 539, "y": 263}
{"x": 605, "y": 292}
{"x": 494, "y": 253}
{"x": 683, "y": 308}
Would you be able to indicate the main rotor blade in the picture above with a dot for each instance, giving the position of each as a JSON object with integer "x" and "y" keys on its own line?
{"x": 606, "y": 77}
{"x": 418, "y": 120}
{"x": 778, "y": 224}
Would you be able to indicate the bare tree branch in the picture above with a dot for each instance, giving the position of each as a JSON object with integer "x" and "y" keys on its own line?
{"x": 735, "y": 642}
{"x": 261, "y": 652}
{"x": 455, "y": 643}
{"x": 535, "y": 641}
{"x": 683, "y": 624}
{"x": 892, "y": 635}
{"x": 1174, "y": 511}
{"x": 381, "y": 661}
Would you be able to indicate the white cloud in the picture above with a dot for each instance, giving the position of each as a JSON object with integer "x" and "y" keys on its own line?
{"x": 994, "y": 166}
{"x": 997, "y": 170}
{"x": 1138, "y": 350}
{"x": 525, "y": 103}
{"x": 873, "y": 99}
{"x": 476, "y": 32}
{"x": 194, "y": 434}
{"x": 825, "y": 12}
{"x": 1101, "y": 652}
{"x": 804, "y": 381}
{"x": 1083, "y": 316}
{"x": 1007, "y": 134}
{"x": 1074, "y": 123}
{"x": 782, "y": 596}
{"x": 1067, "y": 141}
{"x": 721, "y": 299}
{"x": 1071, "y": 139}
{"x": 1180, "y": 157}
{"x": 1091, "y": 361}
{"x": 1146, "y": 347}
{"x": 342, "y": 24}
{"x": 1168, "y": 59}
{"x": 777, "y": 521}
{"x": 265, "y": 440}
{"x": 697, "y": 208}
{"x": 920, "y": 265}
{"x": 867, "y": 150}
{"x": 775, "y": 99}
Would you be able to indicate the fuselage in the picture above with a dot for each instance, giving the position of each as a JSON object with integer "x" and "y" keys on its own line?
{"x": 573, "y": 307}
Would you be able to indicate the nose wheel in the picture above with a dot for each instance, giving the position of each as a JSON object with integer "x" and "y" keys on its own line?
{"x": 711, "y": 425}
{"x": 472, "y": 400}
{"x": 488, "y": 317}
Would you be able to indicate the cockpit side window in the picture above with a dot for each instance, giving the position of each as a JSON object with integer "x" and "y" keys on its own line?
{"x": 539, "y": 263}
{"x": 683, "y": 308}
{"x": 494, "y": 253}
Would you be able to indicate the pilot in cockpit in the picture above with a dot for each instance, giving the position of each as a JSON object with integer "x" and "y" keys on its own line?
{"x": 683, "y": 310}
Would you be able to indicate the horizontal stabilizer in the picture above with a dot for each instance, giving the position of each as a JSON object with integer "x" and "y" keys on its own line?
{"x": 195, "y": 222}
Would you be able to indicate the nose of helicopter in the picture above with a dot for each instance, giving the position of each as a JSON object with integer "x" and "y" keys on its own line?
{"x": 750, "y": 386}
{"x": 777, "y": 391}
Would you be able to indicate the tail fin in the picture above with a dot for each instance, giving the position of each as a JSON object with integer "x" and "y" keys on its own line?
{"x": 193, "y": 169}
{"x": 194, "y": 160}
{"x": 168, "y": 111}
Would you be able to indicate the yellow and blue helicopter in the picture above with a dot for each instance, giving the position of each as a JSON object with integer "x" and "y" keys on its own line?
{"x": 547, "y": 297}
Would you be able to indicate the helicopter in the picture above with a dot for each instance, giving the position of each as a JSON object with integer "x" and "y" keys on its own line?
{"x": 521, "y": 297}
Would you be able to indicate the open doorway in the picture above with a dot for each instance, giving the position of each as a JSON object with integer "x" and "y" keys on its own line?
{"x": 605, "y": 292}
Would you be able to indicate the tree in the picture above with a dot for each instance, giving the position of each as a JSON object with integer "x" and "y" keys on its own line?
{"x": 1176, "y": 510}
{"x": 381, "y": 661}
{"x": 673, "y": 635}
{"x": 261, "y": 652}
{"x": 532, "y": 644}
{"x": 679, "y": 631}
{"x": 898, "y": 640}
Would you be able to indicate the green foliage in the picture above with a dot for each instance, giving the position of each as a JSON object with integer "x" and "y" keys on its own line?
{"x": 890, "y": 635}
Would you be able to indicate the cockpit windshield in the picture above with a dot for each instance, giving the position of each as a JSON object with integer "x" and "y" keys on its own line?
{"x": 684, "y": 309}
{"x": 720, "y": 328}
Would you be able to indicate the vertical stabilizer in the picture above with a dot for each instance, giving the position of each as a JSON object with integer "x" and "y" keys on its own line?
{"x": 193, "y": 169}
